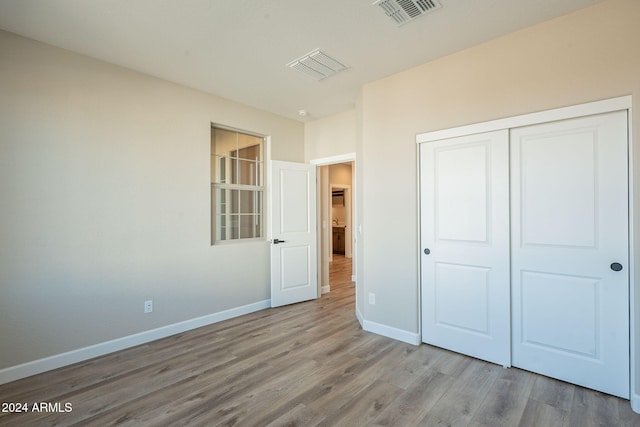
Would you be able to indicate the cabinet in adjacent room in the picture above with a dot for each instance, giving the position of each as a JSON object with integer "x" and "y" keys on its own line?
{"x": 338, "y": 240}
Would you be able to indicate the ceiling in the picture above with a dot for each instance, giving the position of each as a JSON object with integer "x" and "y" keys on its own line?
{"x": 238, "y": 49}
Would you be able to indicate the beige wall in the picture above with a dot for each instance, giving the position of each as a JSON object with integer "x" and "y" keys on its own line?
{"x": 331, "y": 136}
{"x": 340, "y": 174}
{"x": 586, "y": 56}
{"x": 104, "y": 202}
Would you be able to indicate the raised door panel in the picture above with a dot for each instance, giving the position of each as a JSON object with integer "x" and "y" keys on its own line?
{"x": 294, "y": 267}
{"x": 461, "y": 191}
{"x": 462, "y": 286}
{"x": 294, "y": 185}
{"x": 557, "y": 208}
{"x": 541, "y": 315}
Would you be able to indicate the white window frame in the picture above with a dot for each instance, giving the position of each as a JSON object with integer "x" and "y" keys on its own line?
{"x": 261, "y": 189}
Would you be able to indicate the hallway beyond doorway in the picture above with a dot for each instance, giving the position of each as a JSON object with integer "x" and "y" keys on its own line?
{"x": 340, "y": 272}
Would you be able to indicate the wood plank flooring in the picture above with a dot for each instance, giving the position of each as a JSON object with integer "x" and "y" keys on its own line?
{"x": 307, "y": 364}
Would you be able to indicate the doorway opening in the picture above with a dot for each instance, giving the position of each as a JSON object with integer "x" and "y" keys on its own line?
{"x": 336, "y": 216}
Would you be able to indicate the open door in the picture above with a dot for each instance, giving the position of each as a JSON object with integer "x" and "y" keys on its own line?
{"x": 293, "y": 228}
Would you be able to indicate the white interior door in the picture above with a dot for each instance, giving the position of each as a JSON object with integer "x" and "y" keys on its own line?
{"x": 465, "y": 243}
{"x": 569, "y": 214}
{"x": 293, "y": 229}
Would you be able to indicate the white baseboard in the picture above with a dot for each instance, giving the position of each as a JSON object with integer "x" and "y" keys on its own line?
{"x": 359, "y": 317}
{"x": 635, "y": 403}
{"x": 391, "y": 332}
{"x": 353, "y": 278}
{"x": 24, "y": 370}
{"x": 325, "y": 289}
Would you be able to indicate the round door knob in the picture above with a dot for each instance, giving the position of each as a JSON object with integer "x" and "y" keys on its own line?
{"x": 616, "y": 266}
{"x": 427, "y": 251}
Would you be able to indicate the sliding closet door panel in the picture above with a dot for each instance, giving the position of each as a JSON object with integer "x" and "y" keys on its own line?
{"x": 569, "y": 197}
{"x": 465, "y": 242}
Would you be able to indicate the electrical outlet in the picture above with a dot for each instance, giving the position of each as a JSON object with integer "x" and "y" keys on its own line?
{"x": 372, "y": 298}
{"x": 148, "y": 306}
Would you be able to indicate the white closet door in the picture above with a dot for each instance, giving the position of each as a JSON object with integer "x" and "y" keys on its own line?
{"x": 465, "y": 243}
{"x": 569, "y": 219}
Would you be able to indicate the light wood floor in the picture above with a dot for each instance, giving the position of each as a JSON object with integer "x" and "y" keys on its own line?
{"x": 306, "y": 364}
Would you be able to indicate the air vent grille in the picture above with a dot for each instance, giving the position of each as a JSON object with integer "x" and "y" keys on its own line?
{"x": 403, "y": 11}
{"x": 317, "y": 64}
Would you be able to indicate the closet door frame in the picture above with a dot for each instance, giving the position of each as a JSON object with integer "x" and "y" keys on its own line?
{"x": 570, "y": 112}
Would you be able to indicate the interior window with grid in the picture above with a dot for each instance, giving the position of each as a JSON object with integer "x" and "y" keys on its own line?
{"x": 237, "y": 189}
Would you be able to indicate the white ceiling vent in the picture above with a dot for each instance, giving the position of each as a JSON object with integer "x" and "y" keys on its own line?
{"x": 403, "y": 11}
{"x": 317, "y": 64}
